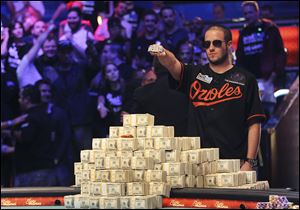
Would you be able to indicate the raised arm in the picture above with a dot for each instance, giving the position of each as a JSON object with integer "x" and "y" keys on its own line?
{"x": 31, "y": 55}
{"x": 167, "y": 59}
{"x": 62, "y": 6}
{"x": 4, "y": 42}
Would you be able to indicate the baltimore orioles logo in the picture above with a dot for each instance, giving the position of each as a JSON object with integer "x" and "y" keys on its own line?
{"x": 203, "y": 97}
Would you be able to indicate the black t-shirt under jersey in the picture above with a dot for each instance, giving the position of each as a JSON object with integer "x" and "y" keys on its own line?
{"x": 222, "y": 107}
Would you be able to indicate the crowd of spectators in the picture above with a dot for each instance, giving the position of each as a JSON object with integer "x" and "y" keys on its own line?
{"x": 89, "y": 70}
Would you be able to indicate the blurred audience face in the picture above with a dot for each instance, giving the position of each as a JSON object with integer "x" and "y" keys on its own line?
{"x": 109, "y": 54}
{"x": 250, "y": 13}
{"x": 186, "y": 53}
{"x": 149, "y": 77}
{"x": 218, "y": 12}
{"x": 50, "y": 48}
{"x": 150, "y": 22}
{"x": 121, "y": 9}
{"x": 23, "y": 101}
{"x": 197, "y": 24}
{"x": 74, "y": 20}
{"x": 129, "y": 5}
{"x": 38, "y": 28}
{"x": 216, "y": 55}
{"x": 203, "y": 58}
{"x": 267, "y": 12}
{"x": 158, "y": 4}
{"x": 169, "y": 18}
{"x": 17, "y": 31}
{"x": 112, "y": 72}
{"x": 46, "y": 93}
{"x": 114, "y": 31}
{"x": 65, "y": 55}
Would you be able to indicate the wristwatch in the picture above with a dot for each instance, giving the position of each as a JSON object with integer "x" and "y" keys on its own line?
{"x": 252, "y": 162}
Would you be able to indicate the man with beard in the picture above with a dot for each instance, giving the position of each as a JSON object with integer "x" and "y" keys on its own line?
{"x": 185, "y": 53}
{"x": 150, "y": 34}
{"x": 225, "y": 109}
{"x": 172, "y": 34}
{"x": 75, "y": 32}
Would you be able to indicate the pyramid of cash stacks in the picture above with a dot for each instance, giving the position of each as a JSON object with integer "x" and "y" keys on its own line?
{"x": 140, "y": 162}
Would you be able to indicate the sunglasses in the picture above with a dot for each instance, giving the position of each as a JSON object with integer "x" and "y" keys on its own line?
{"x": 216, "y": 43}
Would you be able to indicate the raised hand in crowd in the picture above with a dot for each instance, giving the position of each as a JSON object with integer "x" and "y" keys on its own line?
{"x": 14, "y": 122}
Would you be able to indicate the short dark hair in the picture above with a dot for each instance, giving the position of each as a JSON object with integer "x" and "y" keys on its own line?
{"x": 52, "y": 37}
{"x": 32, "y": 93}
{"x": 226, "y": 31}
{"x": 165, "y": 8}
{"x": 75, "y": 9}
{"x": 219, "y": 5}
{"x": 150, "y": 12}
{"x": 251, "y": 3}
{"x": 41, "y": 82}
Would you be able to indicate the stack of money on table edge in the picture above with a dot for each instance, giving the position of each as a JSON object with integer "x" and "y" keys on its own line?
{"x": 140, "y": 162}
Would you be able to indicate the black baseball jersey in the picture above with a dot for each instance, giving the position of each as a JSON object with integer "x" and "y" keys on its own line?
{"x": 222, "y": 107}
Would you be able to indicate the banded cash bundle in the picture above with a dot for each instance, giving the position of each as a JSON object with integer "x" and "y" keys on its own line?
{"x": 155, "y": 48}
{"x": 122, "y": 132}
{"x": 190, "y": 181}
{"x": 146, "y": 202}
{"x": 142, "y": 163}
{"x": 221, "y": 180}
{"x": 228, "y": 179}
{"x": 145, "y": 143}
{"x": 195, "y": 156}
{"x": 166, "y": 143}
{"x": 80, "y": 201}
{"x": 174, "y": 169}
{"x": 204, "y": 168}
{"x": 143, "y": 131}
{"x": 96, "y": 143}
{"x": 250, "y": 177}
{"x": 108, "y": 189}
{"x": 155, "y": 176}
{"x": 127, "y": 144}
{"x": 173, "y": 156}
{"x": 228, "y": 165}
{"x": 183, "y": 143}
{"x": 159, "y": 188}
{"x": 138, "y": 120}
{"x": 138, "y": 175}
{"x": 176, "y": 181}
{"x": 159, "y": 156}
{"x": 102, "y": 176}
{"x": 121, "y": 176}
{"x": 109, "y": 203}
{"x": 162, "y": 131}
{"x": 137, "y": 188}
{"x": 77, "y": 168}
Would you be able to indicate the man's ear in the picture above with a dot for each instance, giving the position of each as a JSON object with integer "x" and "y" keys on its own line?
{"x": 229, "y": 44}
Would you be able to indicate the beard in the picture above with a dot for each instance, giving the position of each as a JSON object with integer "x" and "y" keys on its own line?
{"x": 220, "y": 60}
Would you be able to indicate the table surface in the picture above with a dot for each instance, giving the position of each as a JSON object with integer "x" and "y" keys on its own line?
{"x": 185, "y": 195}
